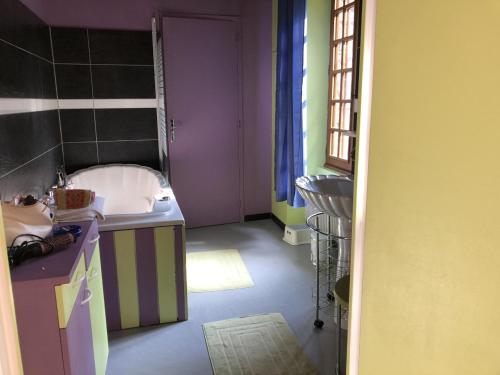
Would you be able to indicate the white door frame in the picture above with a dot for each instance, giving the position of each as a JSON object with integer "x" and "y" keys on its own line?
{"x": 360, "y": 189}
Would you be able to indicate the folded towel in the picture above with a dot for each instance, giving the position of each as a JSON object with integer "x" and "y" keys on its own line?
{"x": 73, "y": 198}
{"x": 81, "y": 214}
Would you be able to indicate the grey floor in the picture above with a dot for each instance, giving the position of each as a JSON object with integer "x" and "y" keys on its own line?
{"x": 283, "y": 277}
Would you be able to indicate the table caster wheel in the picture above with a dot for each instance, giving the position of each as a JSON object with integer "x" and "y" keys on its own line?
{"x": 318, "y": 323}
{"x": 330, "y": 296}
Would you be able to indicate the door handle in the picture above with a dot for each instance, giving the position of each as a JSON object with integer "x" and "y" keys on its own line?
{"x": 95, "y": 239}
{"x": 172, "y": 130}
{"x": 88, "y": 298}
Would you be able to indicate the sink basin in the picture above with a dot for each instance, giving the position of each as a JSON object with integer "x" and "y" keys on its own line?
{"x": 329, "y": 194}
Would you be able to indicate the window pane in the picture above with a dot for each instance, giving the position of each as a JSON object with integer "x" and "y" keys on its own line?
{"x": 335, "y": 116}
{"x": 334, "y": 144}
{"x": 348, "y": 54}
{"x": 340, "y": 3}
{"x": 344, "y": 147}
{"x": 341, "y": 120}
{"x": 349, "y": 22}
{"x": 337, "y": 57}
{"x": 336, "y": 86}
{"x": 346, "y": 116}
{"x": 339, "y": 21}
{"x": 347, "y": 86}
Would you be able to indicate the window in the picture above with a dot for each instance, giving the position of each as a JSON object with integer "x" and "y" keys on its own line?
{"x": 343, "y": 83}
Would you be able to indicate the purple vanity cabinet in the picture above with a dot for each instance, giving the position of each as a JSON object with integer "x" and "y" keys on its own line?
{"x": 76, "y": 338}
{"x": 38, "y": 329}
{"x": 52, "y": 301}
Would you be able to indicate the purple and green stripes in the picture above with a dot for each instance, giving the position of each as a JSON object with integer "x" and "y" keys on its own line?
{"x": 144, "y": 276}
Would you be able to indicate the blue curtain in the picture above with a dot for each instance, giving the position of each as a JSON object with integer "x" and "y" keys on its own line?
{"x": 289, "y": 158}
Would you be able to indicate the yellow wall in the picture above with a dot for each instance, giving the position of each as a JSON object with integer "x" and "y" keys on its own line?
{"x": 431, "y": 281}
{"x": 10, "y": 355}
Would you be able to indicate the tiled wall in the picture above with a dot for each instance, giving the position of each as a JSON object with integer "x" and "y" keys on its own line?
{"x": 30, "y": 148}
{"x": 106, "y": 90}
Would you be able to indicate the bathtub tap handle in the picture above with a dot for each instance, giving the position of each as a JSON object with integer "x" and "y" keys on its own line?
{"x": 172, "y": 130}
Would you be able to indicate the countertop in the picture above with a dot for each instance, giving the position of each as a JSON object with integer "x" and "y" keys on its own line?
{"x": 55, "y": 268}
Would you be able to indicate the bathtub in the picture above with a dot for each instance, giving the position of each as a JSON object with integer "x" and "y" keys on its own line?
{"x": 134, "y": 196}
{"x": 142, "y": 245}
{"x": 128, "y": 189}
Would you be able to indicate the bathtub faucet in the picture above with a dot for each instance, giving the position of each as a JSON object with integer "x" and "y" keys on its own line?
{"x": 62, "y": 181}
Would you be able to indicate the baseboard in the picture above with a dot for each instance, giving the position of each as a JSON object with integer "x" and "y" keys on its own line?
{"x": 267, "y": 215}
{"x": 277, "y": 221}
{"x": 254, "y": 217}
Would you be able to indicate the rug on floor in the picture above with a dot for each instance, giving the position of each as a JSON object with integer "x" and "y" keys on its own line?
{"x": 209, "y": 271}
{"x": 257, "y": 345}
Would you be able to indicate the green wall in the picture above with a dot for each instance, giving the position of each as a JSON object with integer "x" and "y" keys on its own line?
{"x": 318, "y": 31}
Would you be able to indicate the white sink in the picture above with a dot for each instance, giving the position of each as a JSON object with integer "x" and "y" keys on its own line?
{"x": 329, "y": 194}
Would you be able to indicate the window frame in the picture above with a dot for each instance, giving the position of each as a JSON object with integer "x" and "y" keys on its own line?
{"x": 331, "y": 161}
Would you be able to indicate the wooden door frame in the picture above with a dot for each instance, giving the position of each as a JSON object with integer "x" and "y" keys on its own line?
{"x": 240, "y": 109}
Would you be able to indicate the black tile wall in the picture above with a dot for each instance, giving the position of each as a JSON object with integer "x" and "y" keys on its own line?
{"x": 70, "y": 45}
{"x": 126, "y": 124}
{"x": 77, "y": 125}
{"x": 73, "y": 81}
{"x": 23, "y": 75}
{"x": 121, "y": 47}
{"x": 21, "y": 27}
{"x": 120, "y": 67}
{"x": 118, "y": 81}
{"x": 33, "y": 178}
{"x": 30, "y": 142}
{"x": 79, "y": 155}
{"x": 138, "y": 152}
{"x": 24, "y": 136}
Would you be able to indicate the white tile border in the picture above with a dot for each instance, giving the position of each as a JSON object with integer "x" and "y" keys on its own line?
{"x": 106, "y": 103}
{"x": 75, "y": 104}
{"x": 359, "y": 224}
{"x": 124, "y": 103}
{"x": 23, "y": 105}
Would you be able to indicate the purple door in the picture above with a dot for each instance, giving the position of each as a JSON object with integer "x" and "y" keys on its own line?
{"x": 203, "y": 101}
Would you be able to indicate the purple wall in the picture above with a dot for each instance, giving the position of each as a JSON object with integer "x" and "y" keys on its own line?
{"x": 256, "y": 20}
{"x": 122, "y": 14}
{"x": 256, "y": 16}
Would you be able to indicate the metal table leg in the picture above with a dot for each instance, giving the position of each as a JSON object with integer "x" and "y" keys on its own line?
{"x": 339, "y": 338}
{"x": 318, "y": 322}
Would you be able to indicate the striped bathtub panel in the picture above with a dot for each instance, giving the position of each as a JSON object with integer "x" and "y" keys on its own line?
{"x": 165, "y": 269}
{"x": 147, "y": 282}
{"x": 144, "y": 276}
{"x": 180, "y": 274}
{"x": 110, "y": 280}
{"x": 126, "y": 267}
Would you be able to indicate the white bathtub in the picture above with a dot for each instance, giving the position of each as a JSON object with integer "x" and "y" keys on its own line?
{"x": 128, "y": 189}
{"x": 134, "y": 196}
